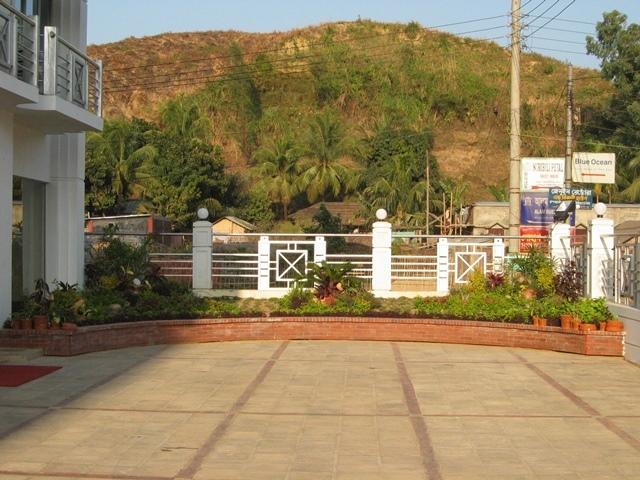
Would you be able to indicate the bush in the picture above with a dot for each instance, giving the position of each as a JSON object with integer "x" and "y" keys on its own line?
{"x": 568, "y": 282}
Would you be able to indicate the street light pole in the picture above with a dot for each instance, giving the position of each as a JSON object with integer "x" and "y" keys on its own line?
{"x": 514, "y": 150}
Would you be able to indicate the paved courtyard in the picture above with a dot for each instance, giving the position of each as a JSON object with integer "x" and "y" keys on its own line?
{"x": 324, "y": 410}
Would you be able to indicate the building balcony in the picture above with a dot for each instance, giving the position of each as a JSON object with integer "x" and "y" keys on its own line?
{"x": 18, "y": 57}
{"x": 70, "y": 85}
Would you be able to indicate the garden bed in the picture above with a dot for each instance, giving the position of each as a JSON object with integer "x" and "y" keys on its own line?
{"x": 130, "y": 334}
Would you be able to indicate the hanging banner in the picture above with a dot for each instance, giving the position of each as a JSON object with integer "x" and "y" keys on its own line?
{"x": 593, "y": 167}
{"x": 538, "y": 174}
{"x": 582, "y": 196}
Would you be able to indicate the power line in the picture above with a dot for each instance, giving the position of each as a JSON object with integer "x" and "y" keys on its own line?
{"x": 557, "y": 40}
{"x": 563, "y": 139}
{"x": 553, "y": 18}
{"x": 557, "y": 50}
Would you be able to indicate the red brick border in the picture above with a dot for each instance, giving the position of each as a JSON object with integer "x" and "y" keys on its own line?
{"x": 121, "y": 335}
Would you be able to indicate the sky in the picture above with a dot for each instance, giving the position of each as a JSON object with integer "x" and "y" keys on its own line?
{"x": 112, "y": 20}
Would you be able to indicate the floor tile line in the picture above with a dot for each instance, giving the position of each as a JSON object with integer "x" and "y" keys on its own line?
{"x": 76, "y": 395}
{"x": 190, "y": 470}
{"x": 112, "y": 476}
{"x": 578, "y": 401}
{"x": 432, "y": 468}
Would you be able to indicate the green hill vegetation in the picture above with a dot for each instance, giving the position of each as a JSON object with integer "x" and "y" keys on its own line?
{"x": 261, "y": 125}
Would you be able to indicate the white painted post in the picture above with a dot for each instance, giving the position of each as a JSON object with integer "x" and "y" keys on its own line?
{"x": 600, "y": 266}
{"x": 319, "y": 250}
{"x": 264, "y": 252}
{"x": 442, "y": 281}
{"x": 381, "y": 255}
{"x": 202, "y": 249}
{"x": 498, "y": 255}
{"x": 560, "y": 244}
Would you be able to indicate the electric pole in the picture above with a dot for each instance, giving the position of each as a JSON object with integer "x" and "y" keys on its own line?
{"x": 514, "y": 164}
{"x": 427, "y": 176}
{"x": 568, "y": 162}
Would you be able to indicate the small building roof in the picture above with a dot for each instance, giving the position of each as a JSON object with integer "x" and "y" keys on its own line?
{"x": 346, "y": 211}
{"x": 237, "y": 221}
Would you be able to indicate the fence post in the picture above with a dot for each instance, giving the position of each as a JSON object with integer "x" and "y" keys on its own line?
{"x": 319, "y": 250}
{"x": 442, "y": 282}
{"x": 561, "y": 244}
{"x": 264, "y": 260}
{"x": 381, "y": 254}
{"x": 498, "y": 255}
{"x": 201, "y": 255}
{"x": 600, "y": 270}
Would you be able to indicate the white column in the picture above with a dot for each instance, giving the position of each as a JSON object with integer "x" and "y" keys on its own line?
{"x": 64, "y": 219}
{"x": 561, "y": 244}
{"x": 6, "y": 201}
{"x": 319, "y": 250}
{"x": 32, "y": 233}
{"x": 264, "y": 260}
{"x": 442, "y": 252}
{"x": 600, "y": 266}
{"x": 201, "y": 255}
{"x": 498, "y": 255}
{"x": 381, "y": 258}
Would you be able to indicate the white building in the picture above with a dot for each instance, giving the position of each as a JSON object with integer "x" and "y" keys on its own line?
{"x": 50, "y": 94}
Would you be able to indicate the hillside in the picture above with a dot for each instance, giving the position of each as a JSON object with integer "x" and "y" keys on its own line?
{"x": 373, "y": 74}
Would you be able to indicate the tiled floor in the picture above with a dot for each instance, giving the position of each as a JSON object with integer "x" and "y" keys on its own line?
{"x": 324, "y": 410}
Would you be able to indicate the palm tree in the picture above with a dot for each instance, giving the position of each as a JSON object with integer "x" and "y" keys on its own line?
{"x": 182, "y": 117}
{"x": 279, "y": 164}
{"x": 328, "y": 151}
{"x": 118, "y": 149}
{"x": 396, "y": 190}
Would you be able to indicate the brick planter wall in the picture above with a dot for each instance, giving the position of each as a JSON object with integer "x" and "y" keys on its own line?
{"x": 121, "y": 335}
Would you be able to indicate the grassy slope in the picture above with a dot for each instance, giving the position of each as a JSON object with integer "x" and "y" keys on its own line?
{"x": 368, "y": 62}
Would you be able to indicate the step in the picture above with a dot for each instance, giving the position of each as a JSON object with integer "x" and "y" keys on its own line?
{"x": 18, "y": 355}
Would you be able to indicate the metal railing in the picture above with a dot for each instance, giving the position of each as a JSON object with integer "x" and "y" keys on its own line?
{"x": 70, "y": 74}
{"x": 18, "y": 44}
{"x": 622, "y": 271}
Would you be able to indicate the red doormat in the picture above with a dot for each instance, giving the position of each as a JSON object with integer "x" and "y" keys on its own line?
{"x": 16, "y": 375}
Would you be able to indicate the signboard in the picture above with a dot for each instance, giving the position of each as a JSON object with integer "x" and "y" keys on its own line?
{"x": 539, "y": 238}
{"x": 593, "y": 167}
{"x": 538, "y": 174}
{"x": 535, "y": 210}
{"x": 582, "y": 196}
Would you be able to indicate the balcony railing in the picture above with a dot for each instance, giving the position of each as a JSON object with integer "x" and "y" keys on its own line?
{"x": 70, "y": 74}
{"x": 18, "y": 44}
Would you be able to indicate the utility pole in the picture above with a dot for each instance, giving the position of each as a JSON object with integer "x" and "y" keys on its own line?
{"x": 427, "y": 176}
{"x": 514, "y": 163}
{"x": 568, "y": 161}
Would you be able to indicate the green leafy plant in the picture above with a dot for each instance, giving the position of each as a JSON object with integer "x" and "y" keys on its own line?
{"x": 328, "y": 280}
{"x": 41, "y": 298}
{"x": 67, "y": 304}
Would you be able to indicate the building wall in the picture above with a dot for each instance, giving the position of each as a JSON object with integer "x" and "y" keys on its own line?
{"x": 227, "y": 226}
{"x": 6, "y": 208}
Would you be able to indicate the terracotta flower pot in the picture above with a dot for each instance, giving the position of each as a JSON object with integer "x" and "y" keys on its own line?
{"x": 69, "y": 326}
{"x": 15, "y": 324}
{"x": 528, "y": 293}
{"x": 40, "y": 322}
{"x": 55, "y": 326}
{"x": 542, "y": 322}
{"x": 330, "y": 300}
{"x": 602, "y": 326}
{"x": 587, "y": 327}
{"x": 26, "y": 324}
{"x": 565, "y": 321}
{"x": 575, "y": 323}
{"x": 615, "y": 326}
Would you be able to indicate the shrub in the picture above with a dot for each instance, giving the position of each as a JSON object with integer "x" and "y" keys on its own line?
{"x": 568, "y": 282}
{"x": 67, "y": 304}
{"x": 329, "y": 280}
{"x": 296, "y": 298}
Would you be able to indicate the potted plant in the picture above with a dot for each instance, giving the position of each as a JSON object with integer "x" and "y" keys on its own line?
{"x": 566, "y": 318}
{"x": 614, "y": 325}
{"x": 41, "y": 298}
{"x": 66, "y": 305}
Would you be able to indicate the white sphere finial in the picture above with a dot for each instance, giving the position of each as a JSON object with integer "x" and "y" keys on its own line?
{"x": 600, "y": 209}
{"x": 381, "y": 214}
{"x": 203, "y": 213}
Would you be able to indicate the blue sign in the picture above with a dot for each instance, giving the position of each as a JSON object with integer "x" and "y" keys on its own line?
{"x": 536, "y": 211}
{"x": 582, "y": 196}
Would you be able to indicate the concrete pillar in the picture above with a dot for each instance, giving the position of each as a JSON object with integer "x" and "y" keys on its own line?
{"x": 498, "y": 255}
{"x": 600, "y": 267}
{"x": 6, "y": 201}
{"x": 64, "y": 219}
{"x": 561, "y": 244}
{"x": 33, "y": 244}
{"x": 264, "y": 261}
{"x": 381, "y": 258}
{"x": 319, "y": 250}
{"x": 201, "y": 255}
{"x": 442, "y": 278}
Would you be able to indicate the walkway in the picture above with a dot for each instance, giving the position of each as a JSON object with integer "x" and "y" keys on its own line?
{"x": 324, "y": 410}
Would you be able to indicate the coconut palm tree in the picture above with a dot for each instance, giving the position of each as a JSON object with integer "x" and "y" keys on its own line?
{"x": 328, "y": 159}
{"x": 118, "y": 148}
{"x": 182, "y": 117}
{"x": 279, "y": 164}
